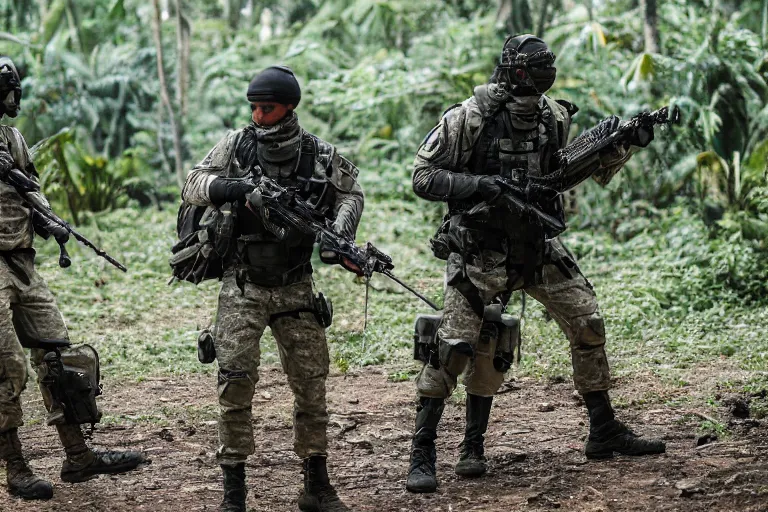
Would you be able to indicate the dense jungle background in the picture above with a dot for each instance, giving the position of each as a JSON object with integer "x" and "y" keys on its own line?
{"x": 122, "y": 97}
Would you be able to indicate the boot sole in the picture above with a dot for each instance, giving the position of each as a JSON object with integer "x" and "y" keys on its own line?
{"x": 420, "y": 490}
{"x": 466, "y": 473}
{"x": 77, "y": 476}
{"x": 29, "y": 497}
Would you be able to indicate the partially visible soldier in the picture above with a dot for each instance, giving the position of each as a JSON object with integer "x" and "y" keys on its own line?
{"x": 510, "y": 128}
{"x": 29, "y": 318}
{"x": 267, "y": 279}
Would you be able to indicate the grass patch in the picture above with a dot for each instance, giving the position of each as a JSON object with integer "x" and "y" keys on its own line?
{"x": 645, "y": 284}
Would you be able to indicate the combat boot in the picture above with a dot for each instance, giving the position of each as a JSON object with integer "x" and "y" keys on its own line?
{"x": 22, "y": 482}
{"x": 608, "y": 435}
{"x": 83, "y": 463}
{"x": 421, "y": 472}
{"x": 234, "y": 488}
{"x": 472, "y": 462}
{"x": 318, "y": 495}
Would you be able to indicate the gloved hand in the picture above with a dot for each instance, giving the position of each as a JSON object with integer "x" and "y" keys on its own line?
{"x": 331, "y": 257}
{"x": 327, "y": 255}
{"x": 227, "y": 190}
{"x": 488, "y": 189}
{"x": 640, "y": 137}
{"x": 43, "y": 226}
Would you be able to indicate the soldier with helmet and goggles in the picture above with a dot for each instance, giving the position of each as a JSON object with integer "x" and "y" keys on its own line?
{"x": 509, "y": 128}
{"x": 29, "y": 318}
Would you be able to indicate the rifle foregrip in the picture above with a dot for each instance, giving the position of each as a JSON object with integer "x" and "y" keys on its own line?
{"x": 64, "y": 259}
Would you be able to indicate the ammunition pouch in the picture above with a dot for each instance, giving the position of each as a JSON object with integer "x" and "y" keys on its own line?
{"x": 449, "y": 349}
{"x": 425, "y": 340}
{"x": 206, "y": 351}
{"x": 72, "y": 377}
{"x": 505, "y": 329}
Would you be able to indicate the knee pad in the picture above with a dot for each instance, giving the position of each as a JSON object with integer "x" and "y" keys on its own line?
{"x": 590, "y": 331}
{"x": 73, "y": 380}
{"x": 235, "y": 388}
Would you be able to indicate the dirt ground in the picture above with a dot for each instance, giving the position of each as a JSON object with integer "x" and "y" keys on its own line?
{"x": 534, "y": 447}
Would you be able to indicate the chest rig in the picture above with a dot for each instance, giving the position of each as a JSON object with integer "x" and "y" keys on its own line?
{"x": 516, "y": 149}
{"x": 263, "y": 258}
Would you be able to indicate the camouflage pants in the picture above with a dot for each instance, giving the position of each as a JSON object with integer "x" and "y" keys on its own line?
{"x": 27, "y": 311}
{"x": 570, "y": 301}
{"x": 242, "y": 318}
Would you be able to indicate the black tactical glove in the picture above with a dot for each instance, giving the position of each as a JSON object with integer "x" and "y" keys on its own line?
{"x": 327, "y": 254}
{"x": 640, "y": 137}
{"x": 45, "y": 228}
{"x": 331, "y": 257}
{"x": 227, "y": 190}
{"x": 488, "y": 189}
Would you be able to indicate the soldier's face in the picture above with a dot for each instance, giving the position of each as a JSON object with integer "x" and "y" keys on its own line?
{"x": 267, "y": 113}
{"x": 10, "y": 104}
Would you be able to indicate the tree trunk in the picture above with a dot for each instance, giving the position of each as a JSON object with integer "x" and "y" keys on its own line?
{"x": 515, "y": 15}
{"x": 183, "y": 32}
{"x": 543, "y": 18}
{"x": 233, "y": 13}
{"x": 650, "y": 26}
{"x": 164, "y": 97}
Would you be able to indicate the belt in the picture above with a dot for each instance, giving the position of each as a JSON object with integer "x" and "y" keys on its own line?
{"x": 271, "y": 277}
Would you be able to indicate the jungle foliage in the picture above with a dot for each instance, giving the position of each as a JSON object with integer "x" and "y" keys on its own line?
{"x": 377, "y": 74}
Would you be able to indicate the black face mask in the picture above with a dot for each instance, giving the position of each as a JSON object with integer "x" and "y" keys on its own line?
{"x": 528, "y": 64}
{"x": 10, "y": 88}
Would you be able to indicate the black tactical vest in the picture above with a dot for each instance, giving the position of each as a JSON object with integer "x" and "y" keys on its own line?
{"x": 262, "y": 257}
{"x": 514, "y": 149}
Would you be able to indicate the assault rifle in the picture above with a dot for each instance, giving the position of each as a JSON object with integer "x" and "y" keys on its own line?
{"x": 524, "y": 194}
{"x": 29, "y": 190}
{"x": 287, "y": 208}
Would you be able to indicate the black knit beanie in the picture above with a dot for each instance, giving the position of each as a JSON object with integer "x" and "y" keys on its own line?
{"x": 276, "y": 83}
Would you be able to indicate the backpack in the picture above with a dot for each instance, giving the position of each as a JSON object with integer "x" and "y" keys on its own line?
{"x": 205, "y": 233}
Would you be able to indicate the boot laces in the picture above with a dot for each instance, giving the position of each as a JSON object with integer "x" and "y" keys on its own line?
{"x": 421, "y": 459}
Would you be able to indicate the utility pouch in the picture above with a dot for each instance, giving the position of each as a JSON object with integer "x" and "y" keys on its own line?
{"x": 72, "y": 378}
{"x": 323, "y": 310}
{"x": 448, "y": 351}
{"x": 509, "y": 342}
{"x": 206, "y": 351}
{"x": 425, "y": 341}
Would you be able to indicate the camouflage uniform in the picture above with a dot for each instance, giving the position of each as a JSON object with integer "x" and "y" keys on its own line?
{"x": 268, "y": 283}
{"x": 27, "y": 306}
{"x": 494, "y": 264}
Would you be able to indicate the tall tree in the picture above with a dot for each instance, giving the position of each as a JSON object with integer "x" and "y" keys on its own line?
{"x": 164, "y": 96}
{"x": 650, "y": 26}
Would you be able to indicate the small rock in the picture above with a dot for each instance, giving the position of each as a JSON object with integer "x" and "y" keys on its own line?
{"x": 546, "y": 407}
{"x": 266, "y": 395}
{"x": 706, "y": 439}
{"x": 688, "y": 487}
{"x": 166, "y": 435}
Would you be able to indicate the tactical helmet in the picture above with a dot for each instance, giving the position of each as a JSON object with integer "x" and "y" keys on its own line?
{"x": 10, "y": 88}
{"x": 527, "y": 65}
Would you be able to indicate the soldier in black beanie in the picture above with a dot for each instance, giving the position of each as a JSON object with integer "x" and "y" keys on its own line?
{"x": 267, "y": 280}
